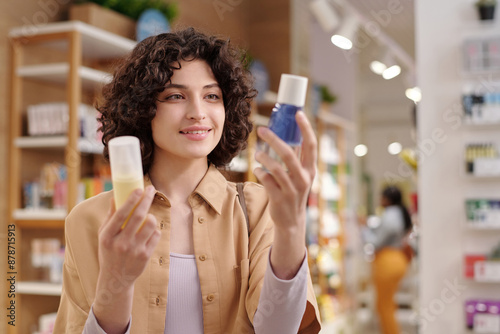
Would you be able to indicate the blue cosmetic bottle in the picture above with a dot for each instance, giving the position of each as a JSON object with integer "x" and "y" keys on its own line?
{"x": 291, "y": 98}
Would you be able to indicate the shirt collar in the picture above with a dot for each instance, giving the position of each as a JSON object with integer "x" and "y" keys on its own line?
{"x": 211, "y": 188}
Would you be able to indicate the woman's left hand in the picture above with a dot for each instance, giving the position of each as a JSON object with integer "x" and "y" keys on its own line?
{"x": 288, "y": 193}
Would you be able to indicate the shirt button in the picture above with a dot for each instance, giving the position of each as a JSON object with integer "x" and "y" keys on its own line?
{"x": 157, "y": 300}
{"x": 161, "y": 261}
{"x": 202, "y": 257}
{"x": 162, "y": 225}
{"x": 210, "y": 297}
{"x": 201, "y": 220}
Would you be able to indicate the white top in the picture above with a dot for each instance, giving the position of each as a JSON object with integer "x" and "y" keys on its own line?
{"x": 390, "y": 232}
{"x": 281, "y": 306}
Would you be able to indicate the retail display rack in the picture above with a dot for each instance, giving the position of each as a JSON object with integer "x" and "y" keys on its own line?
{"x": 83, "y": 51}
{"x": 481, "y": 166}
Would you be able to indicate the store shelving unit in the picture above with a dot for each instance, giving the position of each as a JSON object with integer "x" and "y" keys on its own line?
{"x": 79, "y": 43}
{"x": 480, "y": 237}
{"x": 328, "y": 262}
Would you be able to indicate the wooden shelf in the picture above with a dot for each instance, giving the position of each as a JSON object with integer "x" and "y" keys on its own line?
{"x": 39, "y": 215}
{"x": 57, "y": 73}
{"x": 96, "y": 43}
{"x": 39, "y": 288}
{"x": 84, "y": 145}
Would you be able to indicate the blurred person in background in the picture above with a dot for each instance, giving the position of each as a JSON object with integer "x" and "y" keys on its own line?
{"x": 386, "y": 236}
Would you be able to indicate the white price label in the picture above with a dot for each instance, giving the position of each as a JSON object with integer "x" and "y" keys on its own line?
{"x": 487, "y": 271}
{"x": 487, "y": 323}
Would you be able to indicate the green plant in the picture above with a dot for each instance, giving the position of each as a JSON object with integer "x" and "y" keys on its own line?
{"x": 486, "y": 3}
{"x": 326, "y": 95}
{"x": 134, "y": 8}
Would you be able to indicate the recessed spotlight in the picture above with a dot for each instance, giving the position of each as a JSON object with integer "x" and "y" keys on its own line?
{"x": 394, "y": 148}
{"x": 360, "y": 150}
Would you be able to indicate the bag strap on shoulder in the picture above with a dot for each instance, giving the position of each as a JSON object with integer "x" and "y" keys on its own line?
{"x": 241, "y": 197}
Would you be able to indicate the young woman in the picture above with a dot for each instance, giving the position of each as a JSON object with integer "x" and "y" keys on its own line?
{"x": 390, "y": 264}
{"x": 186, "y": 261}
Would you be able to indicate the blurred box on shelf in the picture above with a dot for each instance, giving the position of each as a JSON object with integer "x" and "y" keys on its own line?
{"x": 46, "y": 323}
{"x": 483, "y": 316}
{"x": 487, "y": 167}
{"x": 47, "y": 257}
{"x": 481, "y": 108}
{"x": 483, "y": 212}
{"x": 470, "y": 261}
{"x": 481, "y": 54}
{"x": 487, "y": 271}
{"x": 103, "y": 18}
{"x": 52, "y": 119}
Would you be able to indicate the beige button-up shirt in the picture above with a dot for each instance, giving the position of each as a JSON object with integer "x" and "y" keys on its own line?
{"x": 231, "y": 265}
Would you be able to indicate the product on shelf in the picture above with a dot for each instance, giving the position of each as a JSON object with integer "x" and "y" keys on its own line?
{"x": 483, "y": 316}
{"x": 482, "y": 159}
{"x": 50, "y": 190}
{"x": 482, "y": 108}
{"x": 52, "y": 119}
{"x": 47, "y": 257}
{"x": 482, "y": 54}
{"x": 483, "y": 212}
{"x": 483, "y": 268}
{"x": 46, "y": 323}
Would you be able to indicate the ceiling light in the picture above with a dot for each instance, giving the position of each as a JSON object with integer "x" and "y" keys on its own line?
{"x": 344, "y": 37}
{"x": 377, "y": 67}
{"x": 414, "y": 94}
{"x": 360, "y": 150}
{"x": 326, "y": 15}
{"x": 394, "y": 148}
{"x": 391, "y": 72}
{"x": 393, "y": 69}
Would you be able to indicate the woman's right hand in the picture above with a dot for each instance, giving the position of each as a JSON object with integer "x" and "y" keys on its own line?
{"x": 123, "y": 256}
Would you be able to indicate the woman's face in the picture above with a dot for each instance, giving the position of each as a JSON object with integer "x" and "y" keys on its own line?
{"x": 190, "y": 113}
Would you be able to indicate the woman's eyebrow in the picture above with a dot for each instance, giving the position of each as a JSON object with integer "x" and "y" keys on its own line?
{"x": 173, "y": 85}
{"x": 211, "y": 85}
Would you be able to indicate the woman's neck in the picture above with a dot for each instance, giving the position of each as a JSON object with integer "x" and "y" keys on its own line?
{"x": 177, "y": 179}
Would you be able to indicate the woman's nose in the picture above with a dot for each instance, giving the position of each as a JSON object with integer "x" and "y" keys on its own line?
{"x": 196, "y": 111}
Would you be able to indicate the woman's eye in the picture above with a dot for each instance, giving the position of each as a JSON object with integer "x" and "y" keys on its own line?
{"x": 174, "y": 97}
{"x": 213, "y": 96}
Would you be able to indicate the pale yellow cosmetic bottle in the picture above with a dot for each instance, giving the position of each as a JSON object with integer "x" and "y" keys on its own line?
{"x": 126, "y": 168}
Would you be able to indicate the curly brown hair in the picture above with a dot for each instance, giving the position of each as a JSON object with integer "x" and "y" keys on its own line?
{"x": 129, "y": 101}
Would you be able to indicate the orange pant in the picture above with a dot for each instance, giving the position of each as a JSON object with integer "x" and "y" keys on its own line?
{"x": 388, "y": 269}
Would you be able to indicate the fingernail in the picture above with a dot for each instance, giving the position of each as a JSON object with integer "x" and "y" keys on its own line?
{"x": 151, "y": 190}
{"x": 262, "y": 130}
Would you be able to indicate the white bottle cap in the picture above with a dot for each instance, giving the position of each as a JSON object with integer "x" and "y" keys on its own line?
{"x": 125, "y": 158}
{"x": 292, "y": 90}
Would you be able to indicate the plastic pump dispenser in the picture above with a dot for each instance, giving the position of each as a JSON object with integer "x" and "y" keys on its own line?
{"x": 126, "y": 167}
{"x": 291, "y": 98}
